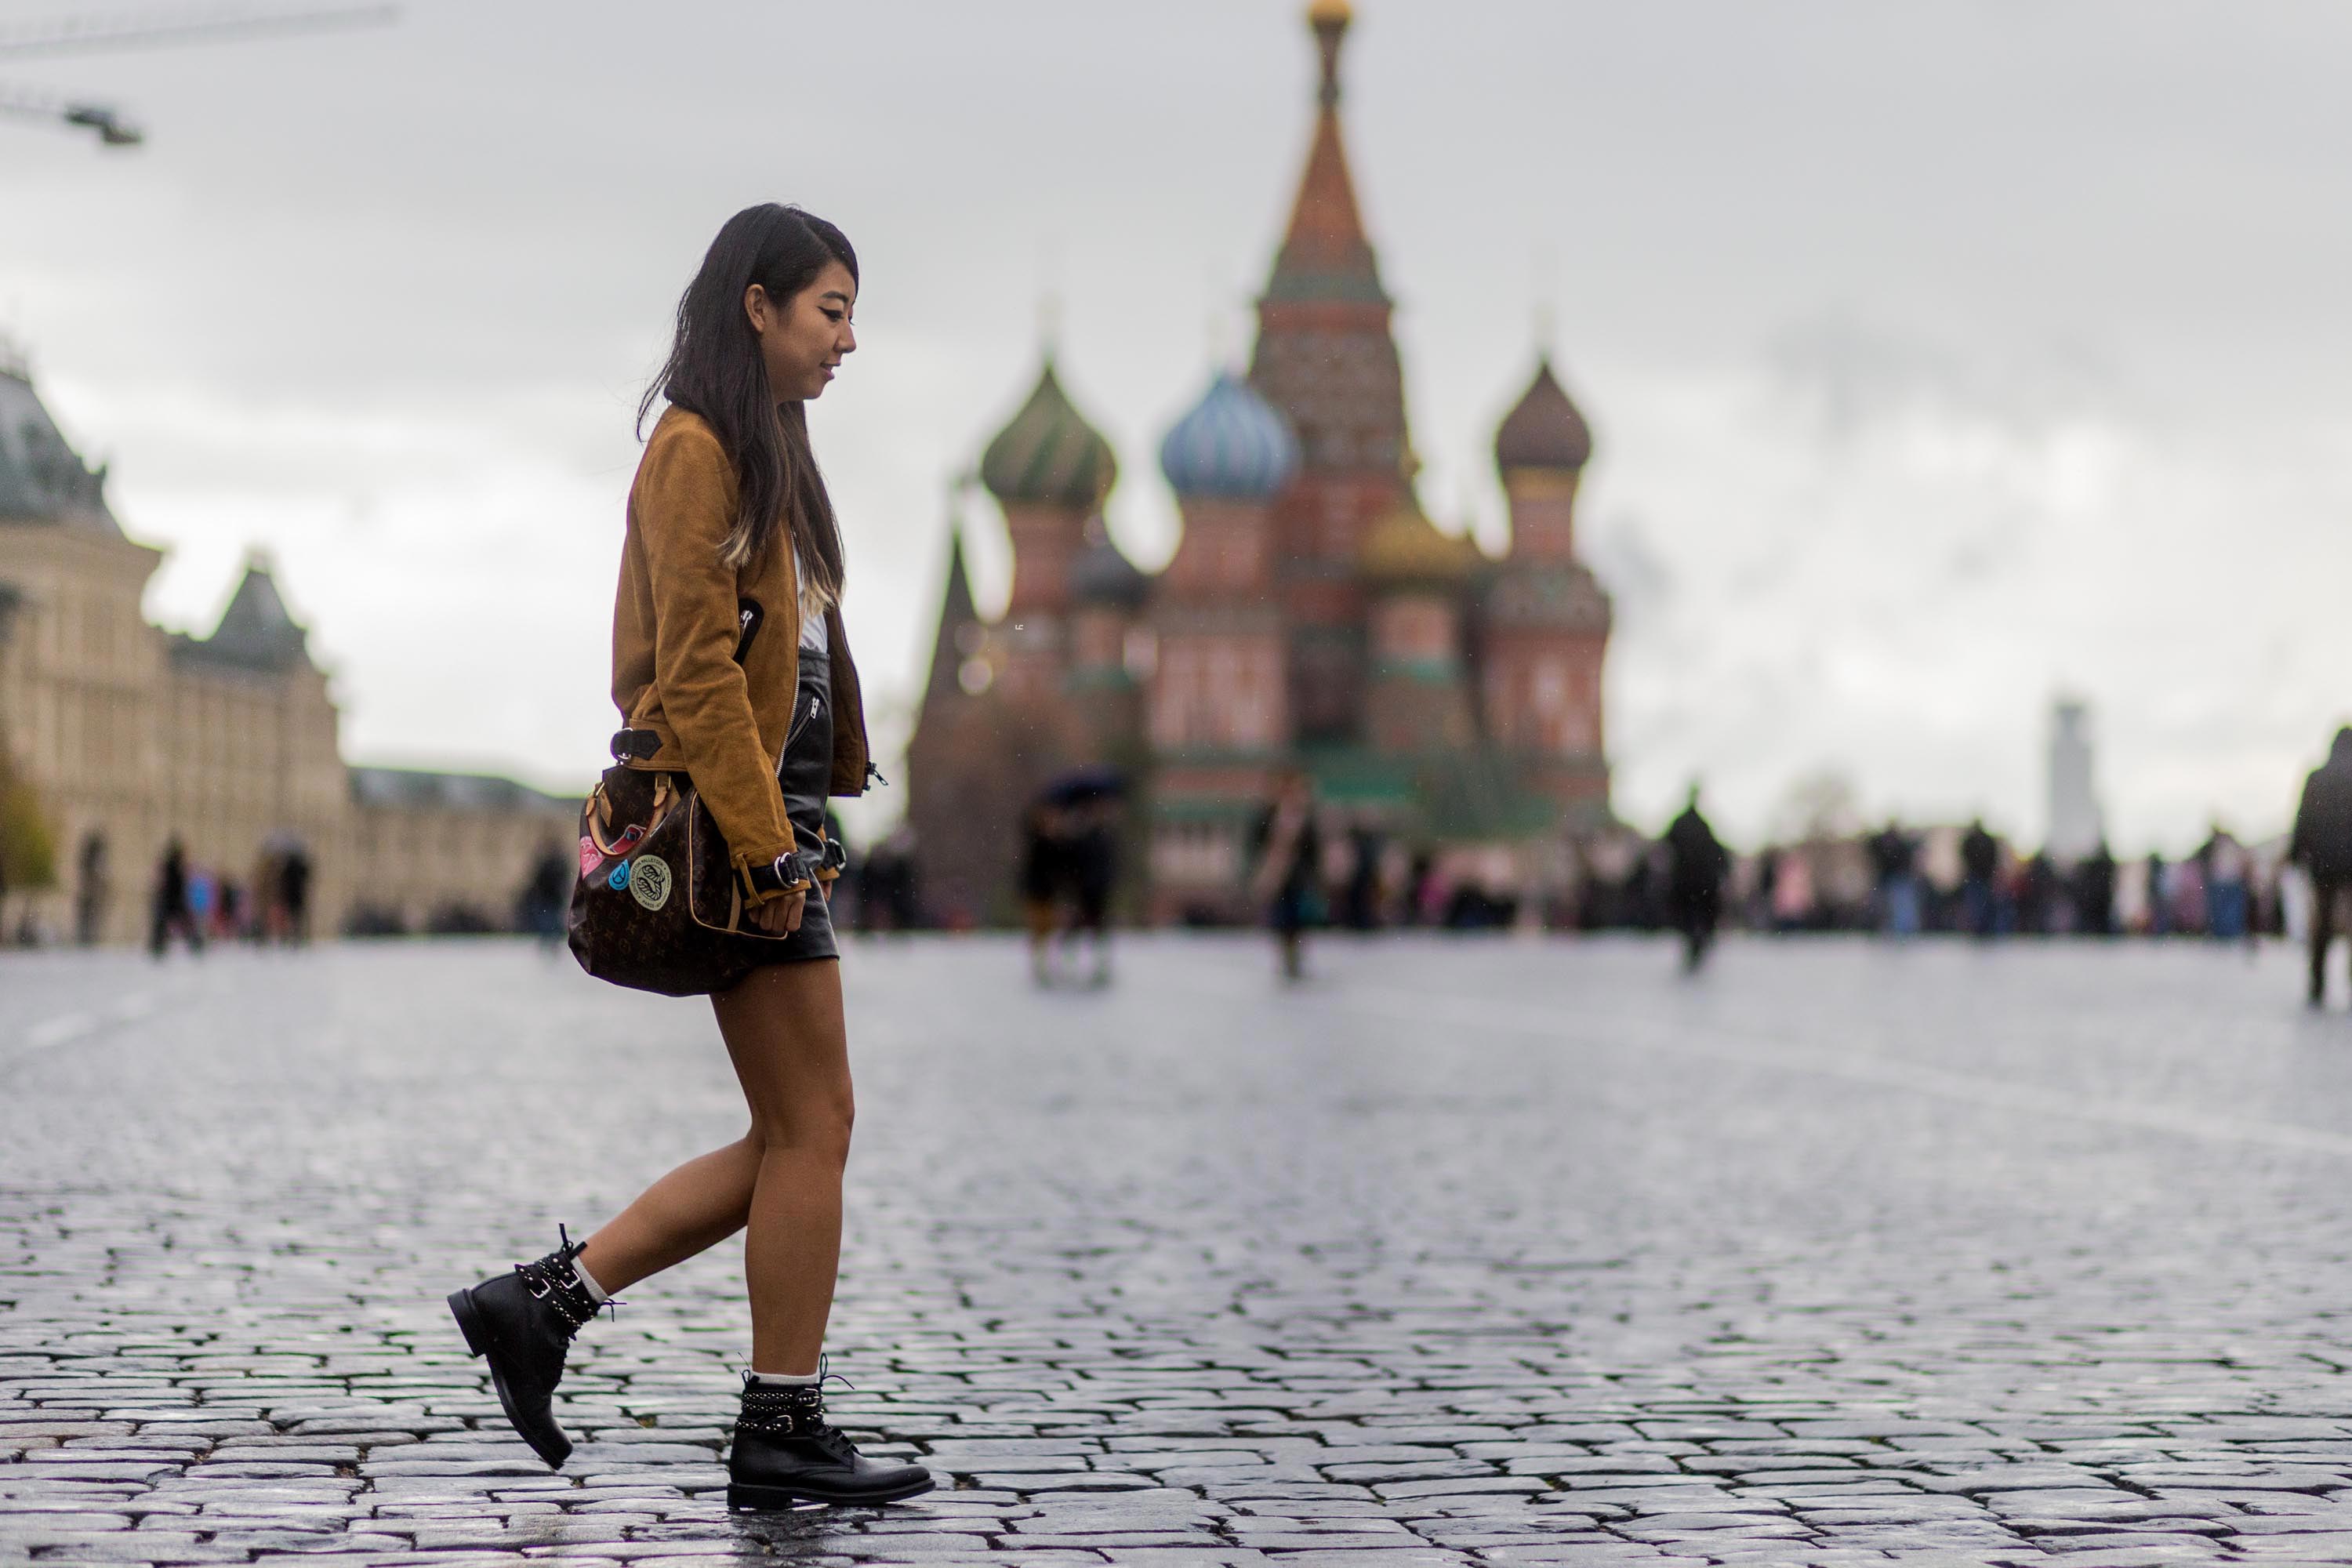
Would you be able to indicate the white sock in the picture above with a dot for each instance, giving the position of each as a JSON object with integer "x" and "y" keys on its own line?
{"x": 587, "y": 1282}
{"x": 781, "y": 1379}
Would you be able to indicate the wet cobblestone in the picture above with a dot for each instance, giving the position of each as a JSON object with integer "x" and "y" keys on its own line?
{"x": 1463, "y": 1253}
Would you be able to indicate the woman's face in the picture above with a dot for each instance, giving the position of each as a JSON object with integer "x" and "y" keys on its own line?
{"x": 804, "y": 338}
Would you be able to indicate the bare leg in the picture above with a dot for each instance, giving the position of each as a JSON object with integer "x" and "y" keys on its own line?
{"x": 784, "y": 1030}
{"x": 688, "y": 1212}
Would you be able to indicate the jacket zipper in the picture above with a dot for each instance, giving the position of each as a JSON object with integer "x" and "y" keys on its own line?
{"x": 794, "y": 732}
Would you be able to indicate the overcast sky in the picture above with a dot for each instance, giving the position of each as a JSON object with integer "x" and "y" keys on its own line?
{"x": 1942, "y": 356}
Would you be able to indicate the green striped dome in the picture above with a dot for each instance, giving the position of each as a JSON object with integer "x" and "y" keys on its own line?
{"x": 1049, "y": 455}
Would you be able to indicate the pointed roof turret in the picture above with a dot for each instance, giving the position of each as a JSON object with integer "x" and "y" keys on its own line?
{"x": 1049, "y": 455}
{"x": 957, "y": 604}
{"x": 42, "y": 478}
{"x": 256, "y": 632}
{"x": 956, "y": 612}
{"x": 1326, "y": 254}
{"x": 1325, "y": 357}
{"x": 1544, "y": 430}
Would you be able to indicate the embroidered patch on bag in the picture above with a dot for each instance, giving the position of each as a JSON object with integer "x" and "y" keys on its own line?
{"x": 649, "y": 882}
{"x": 589, "y": 856}
{"x": 619, "y": 879}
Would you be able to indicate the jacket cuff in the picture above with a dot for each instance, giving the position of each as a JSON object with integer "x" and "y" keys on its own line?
{"x": 756, "y": 894}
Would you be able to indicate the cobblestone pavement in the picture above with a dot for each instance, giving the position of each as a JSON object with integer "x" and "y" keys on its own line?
{"x": 1502, "y": 1252}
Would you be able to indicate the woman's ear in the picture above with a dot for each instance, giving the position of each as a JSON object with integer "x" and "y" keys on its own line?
{"x": 758, "y": 308}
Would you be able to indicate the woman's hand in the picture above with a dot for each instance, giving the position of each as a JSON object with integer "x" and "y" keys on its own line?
{"x": 781, "y": 917}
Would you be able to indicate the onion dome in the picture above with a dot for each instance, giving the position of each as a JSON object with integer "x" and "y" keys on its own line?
{"x": 1049, "y": 455}
{"x": 1544, "y": 431}
{"x": 1100, "y": 575}
{"x": 1404, "y": 546}
{"x": 1231, "y": 445}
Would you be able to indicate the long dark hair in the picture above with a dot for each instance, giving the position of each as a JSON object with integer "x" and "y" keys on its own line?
{"x": 715, "y": 370}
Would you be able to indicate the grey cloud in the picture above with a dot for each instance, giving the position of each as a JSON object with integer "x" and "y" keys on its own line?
{"x": 1839, "y": 375}
{"x": 1638, "y": 578}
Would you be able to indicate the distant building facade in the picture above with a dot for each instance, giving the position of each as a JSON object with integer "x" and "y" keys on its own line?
{"x": 1311, "y": 616}
{"x": 2078, "y": 825}
{"x": 131, "y": 736}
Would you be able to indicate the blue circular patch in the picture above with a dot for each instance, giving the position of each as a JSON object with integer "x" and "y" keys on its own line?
{"x": 619, "y": 879}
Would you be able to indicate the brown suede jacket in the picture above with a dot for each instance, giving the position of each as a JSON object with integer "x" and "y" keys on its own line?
{"x": 676, "y": 625}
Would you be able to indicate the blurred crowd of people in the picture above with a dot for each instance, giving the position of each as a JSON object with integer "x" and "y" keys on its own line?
{"x": 1906, "y": 881}
{"x": 196, "y": 904}
{"x": 1313, "y": 866}
{"x": 1902, "y": 883}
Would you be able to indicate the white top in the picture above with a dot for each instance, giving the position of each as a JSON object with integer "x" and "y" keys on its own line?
{"x": 812, "y": 632}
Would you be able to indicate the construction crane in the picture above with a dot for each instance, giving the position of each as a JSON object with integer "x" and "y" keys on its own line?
{"x": 118, "y": 30}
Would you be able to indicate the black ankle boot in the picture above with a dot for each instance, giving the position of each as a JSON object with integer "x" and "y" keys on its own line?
{"x": 523, "y": 1322}
{"x": 785, "y": 1452}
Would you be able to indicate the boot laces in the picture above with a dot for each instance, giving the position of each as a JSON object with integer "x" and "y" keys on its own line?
{"x": 799, "y": 1412}
{"x": 552, "y": 1279}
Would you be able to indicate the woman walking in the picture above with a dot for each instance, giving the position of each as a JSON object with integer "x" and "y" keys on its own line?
{"x": 731, "y": 667}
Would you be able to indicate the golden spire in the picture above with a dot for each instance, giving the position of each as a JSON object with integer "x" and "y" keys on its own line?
{"x": 1330, "y": 19}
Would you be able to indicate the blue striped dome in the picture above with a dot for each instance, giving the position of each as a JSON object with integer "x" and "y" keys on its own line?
{"x": 1232, "y": 445}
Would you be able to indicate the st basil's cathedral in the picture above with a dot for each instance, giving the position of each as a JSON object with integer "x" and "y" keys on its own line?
{"x": 1312, "y": 615}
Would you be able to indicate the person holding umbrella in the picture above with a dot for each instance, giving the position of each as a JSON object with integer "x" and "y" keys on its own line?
{"x": 1071, "y": 854}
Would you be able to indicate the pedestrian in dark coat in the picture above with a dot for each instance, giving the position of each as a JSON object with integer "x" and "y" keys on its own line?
{"x": 1894, "y": 861}
{"x": 2322, "y": 846}
{"x": 1695, "y": 880}
{"x": 1289, "y": 852}
{"x": 1092, "y": 867}
{"x": 1045, "y": 873}
{"x": 1979, "y": 860}
{"x": 294, "y": 893}
{"x": 171, "y": 915}
{"x": 2094, "y": 892}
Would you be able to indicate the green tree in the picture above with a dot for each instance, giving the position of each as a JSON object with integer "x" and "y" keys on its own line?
{"x": 27, "y": 852}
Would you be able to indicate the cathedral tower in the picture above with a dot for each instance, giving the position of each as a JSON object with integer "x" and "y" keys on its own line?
{"x": 1311, "y": 616}
{"x": 963, "y": 774}
{"x": 1219, "y": 706}
{"x": 1009, "y": 705}
{"x": 1547, "y": 619}
{"x": 1326, "y": 360}
{"x": 1049, "y": 469}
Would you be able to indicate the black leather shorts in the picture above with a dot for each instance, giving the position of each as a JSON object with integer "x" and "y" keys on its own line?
{"x": 806, "y": 776}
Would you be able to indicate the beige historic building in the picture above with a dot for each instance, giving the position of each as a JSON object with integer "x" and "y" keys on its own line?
{"x": 131, "y": 736}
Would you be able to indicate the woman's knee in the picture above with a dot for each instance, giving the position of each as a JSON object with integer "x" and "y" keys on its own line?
{"x": 819, "y": 1126}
